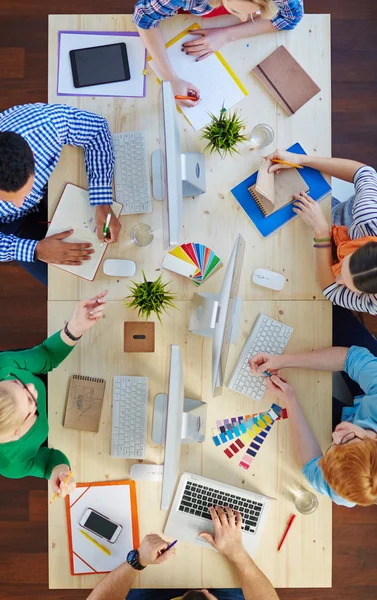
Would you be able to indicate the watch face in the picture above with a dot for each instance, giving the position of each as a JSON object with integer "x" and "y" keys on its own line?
{"x": 132, "y": 555}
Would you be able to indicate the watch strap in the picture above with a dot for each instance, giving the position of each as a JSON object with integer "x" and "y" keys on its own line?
{"x": 70, "y": 335}
{"x": 133, "y": 560}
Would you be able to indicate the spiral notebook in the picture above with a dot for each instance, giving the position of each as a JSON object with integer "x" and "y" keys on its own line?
{"x": 271, "y": 192}
{"x": 85, "y": 399}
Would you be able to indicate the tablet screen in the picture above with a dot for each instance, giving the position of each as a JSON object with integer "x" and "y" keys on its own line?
{"x": 100, "y": 64}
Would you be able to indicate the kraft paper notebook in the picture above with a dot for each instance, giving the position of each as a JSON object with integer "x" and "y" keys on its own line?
{"x": 317, "y": 184}
{"x": 286, "y": 80}
{"x": 85, "y": 399}
{"x": 75, "y": 212}
{"x": 115, "y": 500}
{"x": 219, "y": 86}
{"x": 271, "y": 192}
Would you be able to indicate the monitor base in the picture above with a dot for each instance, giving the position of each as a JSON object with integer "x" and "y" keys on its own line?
{"x": 193, "y": 425}
{"x": 193, "y": 174}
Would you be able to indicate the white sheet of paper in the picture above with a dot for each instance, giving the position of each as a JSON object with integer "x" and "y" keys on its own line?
{"x": 113, "y": 502}
{"x": 136, "y": 52}
{"x": 217, "y": 86}
{"x": 75, "y": 212}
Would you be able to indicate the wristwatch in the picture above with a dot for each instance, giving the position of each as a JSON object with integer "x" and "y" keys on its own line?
{"x": 133, "y": 560}
{"x": 70, "y": 335}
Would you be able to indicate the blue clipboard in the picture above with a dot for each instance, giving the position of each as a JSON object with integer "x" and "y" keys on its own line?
{"x": 318, "y": 189}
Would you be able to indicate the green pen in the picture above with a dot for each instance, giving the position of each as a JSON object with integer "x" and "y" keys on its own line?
{"x": 106, "y": 227}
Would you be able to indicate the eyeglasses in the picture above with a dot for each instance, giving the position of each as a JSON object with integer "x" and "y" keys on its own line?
{"x": 31, "y": 399}
{"x": 348, "y": 437}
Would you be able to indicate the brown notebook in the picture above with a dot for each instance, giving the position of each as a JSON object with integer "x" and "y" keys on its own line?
{"x": 287, "y": 81}
{"x": 85, "y": 398}
{"x": 271, "y": 192}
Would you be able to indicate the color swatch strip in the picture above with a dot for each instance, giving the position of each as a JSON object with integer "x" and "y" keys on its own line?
{"x": 238, "y": 427}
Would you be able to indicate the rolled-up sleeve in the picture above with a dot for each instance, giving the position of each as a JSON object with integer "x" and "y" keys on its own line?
{"x": 289, "y": 15}
{"x": 361, "y": 366}
{"x": 314, "y": 474}
{"x": 149, "y": 13}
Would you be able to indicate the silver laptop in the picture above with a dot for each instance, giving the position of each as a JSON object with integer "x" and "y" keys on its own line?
{"x": 189, "y": 514}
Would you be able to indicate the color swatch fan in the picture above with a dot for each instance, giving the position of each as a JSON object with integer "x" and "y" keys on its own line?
{"x": 195, "y": 261}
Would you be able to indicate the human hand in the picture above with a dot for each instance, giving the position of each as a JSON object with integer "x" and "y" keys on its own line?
{"x": 53, "y": 249}
{"x": 86, "y": 314}
{"x": 228, "y": 537}
{"x": 181, "y": 87}
{"x": 278, "y": 386}
{"x": 311, "y": 213}
{"x": 151, "y": 550}
{"x": 114, "y": 228}
{"x": 58, "y": 476}
{"x": 206, "y": 43}
{"x": 290, "y": 157}
{"x": 262, "y": 362}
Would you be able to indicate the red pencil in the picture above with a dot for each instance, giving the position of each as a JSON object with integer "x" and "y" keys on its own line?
{"x": 286, "y": 531}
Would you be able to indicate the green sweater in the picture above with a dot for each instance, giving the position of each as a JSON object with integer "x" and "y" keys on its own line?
{"x": 25, "y": 456}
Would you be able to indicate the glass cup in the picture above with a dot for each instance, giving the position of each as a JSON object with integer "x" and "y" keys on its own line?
{"x": 261, "y": 135}
{"x": 306, "y": 502}
{"x": 141, "y": 234}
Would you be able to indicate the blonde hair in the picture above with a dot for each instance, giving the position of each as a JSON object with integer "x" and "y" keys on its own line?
{"x": 351, "y": 470}
{"x": 268, "y": 8}
{"x": 9, "y": 419}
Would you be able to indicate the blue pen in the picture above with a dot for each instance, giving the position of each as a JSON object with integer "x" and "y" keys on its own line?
{"x": 168, "y": 547}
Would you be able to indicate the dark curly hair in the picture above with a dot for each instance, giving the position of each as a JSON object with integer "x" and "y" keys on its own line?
{"x": 16, "y": 161}
{"x": 363, "y": 268}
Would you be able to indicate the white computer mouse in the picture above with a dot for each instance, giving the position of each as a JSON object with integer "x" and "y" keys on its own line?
{"x": 117, "y": 267}
{"x": 269, "y": 279}
{"x": 147, "y": 472}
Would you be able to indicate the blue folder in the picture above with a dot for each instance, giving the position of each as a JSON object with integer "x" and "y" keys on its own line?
{"x": 318, "y": 189}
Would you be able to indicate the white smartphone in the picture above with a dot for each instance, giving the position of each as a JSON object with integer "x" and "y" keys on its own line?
{"x": 100, "y": 525}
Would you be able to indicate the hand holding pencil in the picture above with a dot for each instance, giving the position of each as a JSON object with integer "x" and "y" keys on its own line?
{"x": 61, "y": 482}
{"x": 282, "y": 159}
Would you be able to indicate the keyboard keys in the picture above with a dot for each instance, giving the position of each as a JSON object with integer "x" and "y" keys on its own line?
{"x": 129, "y": 417}
{"x": 131, "y": 172}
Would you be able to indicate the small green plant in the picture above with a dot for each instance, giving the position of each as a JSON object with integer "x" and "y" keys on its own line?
{"x": 148, "y": 297}
{"x": 224, "y": 133}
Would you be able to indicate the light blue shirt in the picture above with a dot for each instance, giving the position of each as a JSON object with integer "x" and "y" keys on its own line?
{"x": 361, "y": 366}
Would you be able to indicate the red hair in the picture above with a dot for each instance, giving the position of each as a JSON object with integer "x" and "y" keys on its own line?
{"x": 351, "y": 471}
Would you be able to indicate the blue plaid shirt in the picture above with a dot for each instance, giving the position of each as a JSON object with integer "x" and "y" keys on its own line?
{"x": 149, "y": 13}
{"x": 47, "y": 128}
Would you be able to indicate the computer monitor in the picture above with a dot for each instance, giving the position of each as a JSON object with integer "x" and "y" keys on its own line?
{"x": 176, "y": 420}
{"x": 217, "y": 315}
{"x": 175, "y": 174}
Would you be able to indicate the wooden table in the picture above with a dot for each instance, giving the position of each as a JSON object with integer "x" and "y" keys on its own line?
{"x": 213, "y": 219}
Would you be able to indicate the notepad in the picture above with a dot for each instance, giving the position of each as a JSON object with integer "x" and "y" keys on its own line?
{"x": 84, "y": 405}
{"x": 286, "y": 80}
{"x": 117, "y": 501}
{"x": 75, "y": 212}
{"x": 219, "y": 86}
{"x": 271, "y": 192}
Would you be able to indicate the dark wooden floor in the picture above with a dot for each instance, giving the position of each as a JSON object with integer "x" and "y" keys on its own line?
{"x": 23, "y": 78}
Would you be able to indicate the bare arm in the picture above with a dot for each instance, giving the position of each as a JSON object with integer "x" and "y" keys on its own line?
{"x": 228, "y": 541}
{"x": 335, "y": 167}
{"x": 249, "y": 29}
{"x": 154, "y": 43}
{"x": 304, "y": 442}
{"x": 117, "y": 584}
{"x": 325, "y": 359}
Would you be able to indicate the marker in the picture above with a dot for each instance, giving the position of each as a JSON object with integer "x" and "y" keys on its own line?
{"x": 187, "y": 98}
{"x": 267, "y": 374}
{"x": 57, "y": 494}
{"x": 286, "y": 531}
{"x": 106, "y": 227}
{"x": 99, "y": 546}
{"x": 168, "y": 547}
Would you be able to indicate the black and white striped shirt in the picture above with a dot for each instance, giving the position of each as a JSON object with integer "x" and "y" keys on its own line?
{"x": 364, "y": 212}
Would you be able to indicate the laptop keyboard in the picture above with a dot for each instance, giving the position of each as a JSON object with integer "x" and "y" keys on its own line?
{"x": 197, "y": 499}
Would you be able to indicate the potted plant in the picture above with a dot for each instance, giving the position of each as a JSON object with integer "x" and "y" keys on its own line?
{"x": 224, "y": 133}
{"x": 148, "y": 297}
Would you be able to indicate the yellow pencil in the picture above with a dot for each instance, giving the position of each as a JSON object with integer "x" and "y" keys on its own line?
{"x": 56, "y": 494}
{"x": 99, "y": 546}
{"x": 284, "y": 162}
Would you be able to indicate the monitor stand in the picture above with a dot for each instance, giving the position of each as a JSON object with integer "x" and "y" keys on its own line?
{"x": 193, "y": 424}
{"x": 205, "y": 311}
{"x": 193, "y": 174}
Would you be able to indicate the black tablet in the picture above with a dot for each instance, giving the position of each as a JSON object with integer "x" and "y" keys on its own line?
{"x": 99, "y": 65}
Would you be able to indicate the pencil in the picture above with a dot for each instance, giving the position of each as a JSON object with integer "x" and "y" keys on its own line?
{"x": 56, "y": 494}
{"x": 285, "y": 162}
{"x": 286, "y": 531}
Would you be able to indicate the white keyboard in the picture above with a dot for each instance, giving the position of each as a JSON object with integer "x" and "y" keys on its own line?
{"x": 268, "y": 336}
{"x": 131, "y": 172}
{"x": 129, "y": 412}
